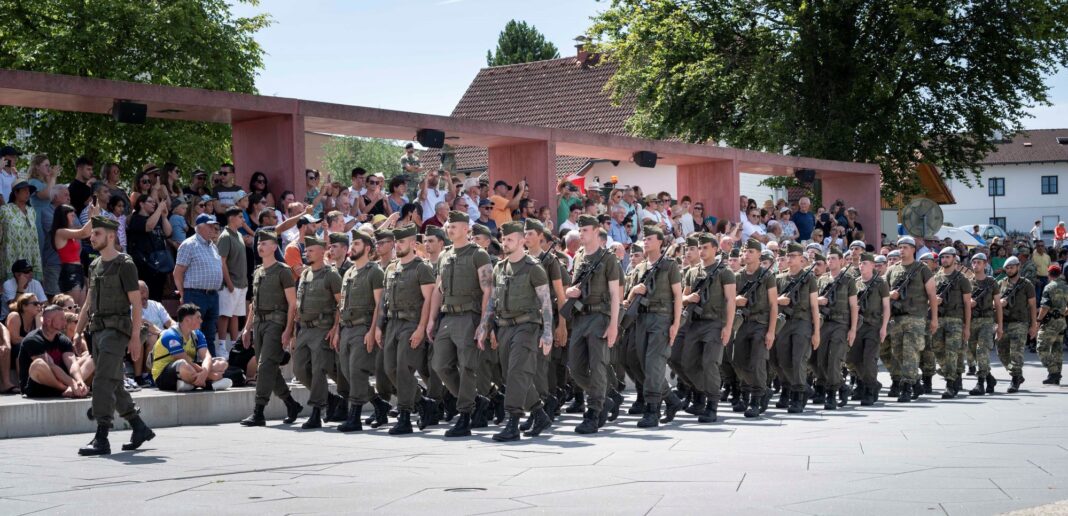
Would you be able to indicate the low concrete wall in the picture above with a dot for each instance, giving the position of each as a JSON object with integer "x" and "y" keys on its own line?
{"x": 21, "y": 417}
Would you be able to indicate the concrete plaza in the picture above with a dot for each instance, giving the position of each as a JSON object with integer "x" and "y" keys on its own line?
{"x": 980, "y": 455}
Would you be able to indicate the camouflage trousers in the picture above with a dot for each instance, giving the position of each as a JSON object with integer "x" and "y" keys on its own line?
{"x": 886, "y": 354}
{"x": 1051, "y": 345}
{"x": 946, "y": 343}
{"x": 1011, "y": 347}
{"x": 907, "y": 337}
{"x": 981, "y": 342}
{"x": 928, "y": 360}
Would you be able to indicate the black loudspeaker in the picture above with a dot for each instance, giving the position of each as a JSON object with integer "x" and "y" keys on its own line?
{"x": 431, "y": 138}
{"x": 805, "y": 175}
{"x": 645, "y": 159}
{"x": 129, "y": 112}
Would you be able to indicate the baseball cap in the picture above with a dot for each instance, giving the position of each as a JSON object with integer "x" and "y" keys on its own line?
{"x": 21, "y": 266}
{"x": 206, "y": 219}
{"x": 501, "y": 182}
{"x": 8, "y": 150}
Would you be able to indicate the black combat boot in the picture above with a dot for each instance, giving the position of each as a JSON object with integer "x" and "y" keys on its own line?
{"x": 990, "y": 383}
{"x": 462, "y": 427}
{"x": 552, "y": 406}
{"x": 403, "y": 424}
{"x": 602, "y": 415}
{"x": 951, "y": 390}
{"x": 480, "y": 417}
{"x": 588, "y": 424}
{"x": 754, "y": 406}
{"x": 927, "y": 384}
{"x": 638, "y": 407}
{"x": 740, "y": 401}
{"x": 256, "y": 419}
{"x": 380, "y": 416}
{"x": 352, "y": 422}
{"x": 525, "y": 425}
{"x": 449, "y": 407}
{"x": 876, "y": 390}
{"x": 672, "y": 406}
{"x": 541, "y": 422}
{"x": 905, "y": 395}
{"x": 776, "y": 385}
{"x": 1015, "y": 385}
{"x": 697, "y": 406}
{"x": 293, "y": 410}
{"x": 797, "y": 403}
{"x": 857, "y": 392}
{"x": 867, "y": 396}
{"x": 709, "y": 414}
{"x": 511, "y": 430}
{"x": 99, "y": 445}
{"x": 141, "y": 434}
{"x": 578, "y": 405}
{"x": 980, "y": 388}
{"x": 617, "y": 402}
{"x": 725, "y": 394}
{"x": 917, "y": 390}
{"x": 820, "y": 396}
{"x": 784, "y": 398}
{"x": 498, "y": 408}
{"x": 424, "y": 410}
{"x": 971, "y": 370}
{"x": 1052, "y": 379}
{"x": 845, "y": 393}
{"x": 895, "y": 389}
{"x": 314, "y": 420}
{"x": 651, "y": 416}
{"x": 831, "y": 403}
{"x": 338, "y": 408}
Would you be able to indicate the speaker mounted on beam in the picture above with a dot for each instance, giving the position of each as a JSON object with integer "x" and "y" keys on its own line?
{"x": 129, "y": 112}
{"x": 644, "y": 159}
{"x": 431, "y": 138}
{"x": 805, "y": 175}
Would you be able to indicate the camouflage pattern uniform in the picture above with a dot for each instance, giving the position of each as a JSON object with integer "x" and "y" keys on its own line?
{"x": 1017, "y": 318}
{"x": 981, "y": 340}
{"x": 949, "y": 337}
{"x": 908, "y": 327}
{"x": 1051, "y": 334}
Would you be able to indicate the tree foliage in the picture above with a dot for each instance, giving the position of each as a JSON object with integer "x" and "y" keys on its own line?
{"x": 190, "y": 43}
{"x": 880, "y": 81}
{"x": 520, "y": 43}
{"x": 343, "y": 153}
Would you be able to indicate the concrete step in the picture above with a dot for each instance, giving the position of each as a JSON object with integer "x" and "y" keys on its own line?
{"x": 22, "y": 417}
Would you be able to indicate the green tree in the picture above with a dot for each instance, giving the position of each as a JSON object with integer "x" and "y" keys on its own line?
{"x": 879, "y": 81}
{"x": 191, "y": 43}
{"x": 520, "y": 43}
{"x": 343, "y": 153}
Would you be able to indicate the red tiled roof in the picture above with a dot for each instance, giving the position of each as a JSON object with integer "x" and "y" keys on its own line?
{"x": 1043, "y": 148}
{"x": 557, "y": 93}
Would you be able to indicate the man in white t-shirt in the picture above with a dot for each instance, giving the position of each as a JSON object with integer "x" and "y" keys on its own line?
{"x": 9, "y": 174}
{"x": 684, "y": 218}
{"x": 571, "y": 224}
{"x": 471, "y": 191}
{"x": 431, "y": 193}
{"x": 751, "y": 227}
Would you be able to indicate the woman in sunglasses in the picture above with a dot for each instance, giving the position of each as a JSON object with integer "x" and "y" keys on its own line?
{"x": 374, "y": 202}
{"x": 142, "y": 186}
{"x": 23, "y": 319}
{"x": 259, "y": 185}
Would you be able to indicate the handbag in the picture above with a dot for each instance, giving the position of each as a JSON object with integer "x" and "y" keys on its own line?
{"x": 160, "y": 261}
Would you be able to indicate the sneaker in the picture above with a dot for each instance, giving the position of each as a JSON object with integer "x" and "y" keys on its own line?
{"x": 222, "y": 384}
{"x": 184, "y": 387}
{"x": 146, "y": 381}
{"x": 130, "y": 385}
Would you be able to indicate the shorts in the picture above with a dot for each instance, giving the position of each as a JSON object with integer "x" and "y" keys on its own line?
{"x": 240, "y": 357}
{"x": 71, "y": 277}
{"x": 168, "y": 378}
{"x": 36, "y": 390}
{"x": 232, "y": 304}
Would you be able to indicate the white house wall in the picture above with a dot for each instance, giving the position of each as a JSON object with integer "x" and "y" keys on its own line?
{"x": 1023, "y": 202}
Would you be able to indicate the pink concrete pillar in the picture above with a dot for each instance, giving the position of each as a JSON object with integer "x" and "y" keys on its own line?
{"x": 533, "y": 161}
{"x": 714, "y": 183}
{"x": 860, "y": 191}
{"x": 275, "y": 146}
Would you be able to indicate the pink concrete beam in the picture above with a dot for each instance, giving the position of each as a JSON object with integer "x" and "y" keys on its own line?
{"x": 861, "y": 192}
{"x": 714, "y": 183}
{"x": 534, "y": 161}
{"x": 272, "y": 145}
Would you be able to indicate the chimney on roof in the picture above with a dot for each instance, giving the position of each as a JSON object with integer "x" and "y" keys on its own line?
{"x": 584, "y": 57}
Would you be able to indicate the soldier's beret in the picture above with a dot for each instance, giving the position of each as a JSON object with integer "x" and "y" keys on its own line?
{"x": 587, "y": 220}
{"x": 857, "y": 243}
{"x": 880, "y": 258}
{"x": 691, "y": 241}
{"x": 755, "y": 244}
{"x": 263, "y": 234}
{"x": 867, "y": 257}
{"x": 927, "y": 256}
{"x": 534, "y": 225}
{"x": 360, "y": 235}
{"x": 894, "y": 254}
{"x": 311, "y": 240}
{"x": 511, "y": 227}
{"x": 438, "y": 233}
{"x": 767, "y": 255}
{"x": 653, "y": 230}
{"x": 405, "y": 232}
{"x": 480, "y": 229}
{"x": 735, "y": 253}
{"x": 101, "y": 222}
{"x": 1012, "y": 260}
{"x": 814, "y": 247}
{"x": 947, "y": 251}
{"x": 794, "y": 247}
{"x": 458, "y": 216}
{"x": 1024, "y": 250}
{"x": 637, "y": 248}
{"x": 384, "y": 234}
{"x": 707, "y": 238}
{"x": 906, "y": 240}
{"x": 978, "y": 256}
{"x": 818, "y": 257}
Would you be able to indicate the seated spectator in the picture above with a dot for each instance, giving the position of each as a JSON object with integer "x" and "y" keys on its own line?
{"x": 789, "y": 229}
{"x": 751, "y": 227}
{"x": 22, "y": 319}
{"x": 485, "y": 207}
{"x": 180, "y": 357}
{"x": 242, "y": 366}
{"x": 48, "y": 366}
{"x": 8, "y": 362}
{"x": 439, "y": 218}
{"x": 571, "y": 223}
{"x": 21, "y": 283}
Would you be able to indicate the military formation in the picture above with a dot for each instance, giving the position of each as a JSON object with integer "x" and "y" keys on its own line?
{"x": 458, "y": 328}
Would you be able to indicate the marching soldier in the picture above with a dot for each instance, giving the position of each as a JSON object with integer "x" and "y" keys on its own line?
{"x": 1051, "y": 315}
{"x": 691, "y": 258}
{"x": 360, "y": 337}
{"x": 489, "y": 401}
{"x": 986, "y": 316}
{"x": 873, "y": 303}
{"x": 838, "y": 305}
{"x": 538, "y": 241}
{"x": 464, "y": 288}
{"x": 408, "y": 289}
{"x": 318, "y": 293}
{"x": 269, "y": 327}
{"x": 595, "y": 323}
{"x": 659, "y": 314}
{"x": 629, "y": 353}
{"x": 116, "y": 329}
{"x": 384, "y": 245}
{"x": 710, "y": 296}
{"x": 798, "y": 329}
{"x": 928, "y": 361}
{"x": 758, "y": 301}
{"x": 954, "y": 317}
{"x": 337, "y": 253}
{"x": 1020, "y": 316}
{"x": 912, "y": 291}
{"x": 522, "y": 309}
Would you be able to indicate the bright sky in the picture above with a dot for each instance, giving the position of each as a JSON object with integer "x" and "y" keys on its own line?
{"x": 420, "y": 55}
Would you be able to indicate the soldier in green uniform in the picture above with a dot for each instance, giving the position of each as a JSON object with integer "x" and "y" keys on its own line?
{"x": 928, "y": 361}
{"x": 116, "y": 329}
{"x": 798, "y": 328}
{"x": 757, "y": 299}
{"x": 360, "y": 337}
{"x": 269, "y": 327}
{"x": 522, "y": 310}
{"x": 628, "y": 353}
{"x": 337, "y": 256}
{"x": 732, "y": 388}
{"x": 1028, "y": 270}
{"x": 1051, "y": 316}
{"x": 986, "y": 323}
{"x": 873, "y": 304}
{"x": 659, "y": 317}
{"x": 538, "y": 241}
{"x": 318, "y": 293}
{"x": 912, "y": 290}
{"x": 489, "y": 397}
{"x": 408, "y": 288}
{"x": 1020, "y": 317}
{"x": 691, "y": 258}
{"x": 954, "y": 318}
{"x": 463, "y": 290}
{"x": 594, "y": 324}
{"x": 384, "y": 244}
{"x": 709, "y": 293}
{"x": 838, "y": 307}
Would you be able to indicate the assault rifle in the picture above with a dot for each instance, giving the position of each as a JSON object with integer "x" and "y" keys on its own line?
{"x": 649, "y": 280}
{"x": 699, "y": 288}
{"x": 977, "y": 296}
{"x": 791, "y": 290}
{"x": 943, "y": 291}
{"x": 831, "y": 292}
{"x": 862, "y": 300}
{"x": 747, "y": 291}
{"x": 581, "y": 280}
{"x": 897, "y": 306}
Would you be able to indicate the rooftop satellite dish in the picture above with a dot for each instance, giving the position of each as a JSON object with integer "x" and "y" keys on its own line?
{"x": 922, "y": 217}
